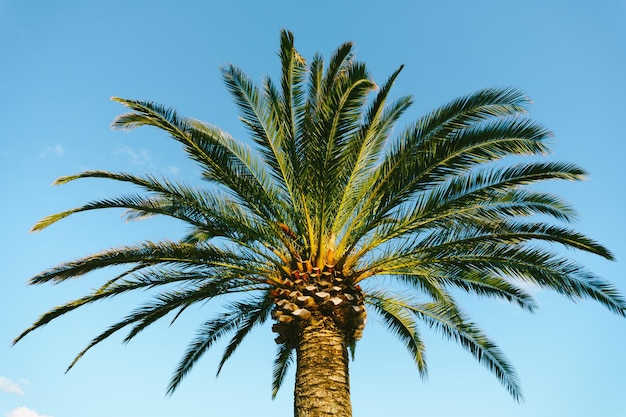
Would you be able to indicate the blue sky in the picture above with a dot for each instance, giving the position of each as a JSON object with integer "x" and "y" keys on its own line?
{"x": 62, "y": 60}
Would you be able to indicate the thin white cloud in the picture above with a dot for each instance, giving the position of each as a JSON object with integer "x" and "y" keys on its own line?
{"x": 24, "y": 412}
{"x": 9, "y": 386}
{"x": 54, "y": 150}
{"x": 140, "y": 157}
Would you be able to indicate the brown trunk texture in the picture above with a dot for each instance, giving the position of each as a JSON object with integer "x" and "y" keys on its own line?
{"x": 322, "y": 380}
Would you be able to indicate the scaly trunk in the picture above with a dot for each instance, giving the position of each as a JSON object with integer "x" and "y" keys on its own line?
{"x": 322, "y": 380}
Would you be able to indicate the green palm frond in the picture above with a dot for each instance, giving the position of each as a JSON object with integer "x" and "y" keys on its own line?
{"x": 257, "y": 117}
{"x": 206, "y": 336}
{"x": 144, "y": 316}
{"x": 398, "y": 318}
{"x": 148, "y": 253}
{"x": 252, "y": 317}
{"x": 427, "y": 162}
{"x": 455, "y": 326}
{"x": 282, "y": 363}
{"x": 182, "y": 200}
{"x": 490, "y": 186}
{"x": 399, "y": 315}
{"x": 293, "y": 74}
{"x": 240, "y": 315}
{"x": 214, "y": 150}
{"x": 364, "y": 151}
{"x": 483, "y": 284}
{"x": 129, "y": 281}
{"x": 437, "y": 282}
{"x": 539, "y": 267}
{"x": 454, "y": 131}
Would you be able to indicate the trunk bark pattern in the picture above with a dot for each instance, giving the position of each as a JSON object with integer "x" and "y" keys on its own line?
{"x": 322, "y": 380}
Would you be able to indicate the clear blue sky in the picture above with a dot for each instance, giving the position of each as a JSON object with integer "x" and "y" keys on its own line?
{"x": 60, "y": 61}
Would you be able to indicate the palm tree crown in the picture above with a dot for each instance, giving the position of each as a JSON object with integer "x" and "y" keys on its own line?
{"x": 326, "y": 201}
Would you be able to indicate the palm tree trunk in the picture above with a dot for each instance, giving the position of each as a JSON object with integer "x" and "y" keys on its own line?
{"x": 322, "y": 379}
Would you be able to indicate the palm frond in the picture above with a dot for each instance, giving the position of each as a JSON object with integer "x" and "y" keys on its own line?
{"x": 364, "y": 151}
{"x": 114, "y": 287}
{"x": 398, "y": 318}
{"x": 539, "y": 267}
{"x": 254, "y": 314}
{"x": 195, "y": 206}
{"x": 282, "y": 363}
{"x": 240, "y": 316}
{"x": 210, "y": 332}
{"x": 422, "y": 163}
{"x": 454, "y": 325}
{"x": 256, "y": 116}
{"x": 221, "y": 159}
{"x": 147, "y": 253}
{"x": 482, "y": 284}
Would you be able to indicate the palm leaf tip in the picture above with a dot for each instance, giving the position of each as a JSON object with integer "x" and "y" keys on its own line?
{"x": 65, "y": 179}
{"x": 47, "y": 221}
{"x": 118, "y": 99}
{"x": 22, "y": 335}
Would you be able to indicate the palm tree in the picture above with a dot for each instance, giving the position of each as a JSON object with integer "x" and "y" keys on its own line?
{"x": 329, "y": 214}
